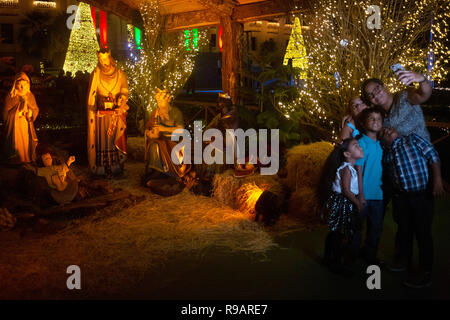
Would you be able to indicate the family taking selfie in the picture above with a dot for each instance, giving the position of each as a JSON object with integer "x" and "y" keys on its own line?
{"x": 383, "y": 157}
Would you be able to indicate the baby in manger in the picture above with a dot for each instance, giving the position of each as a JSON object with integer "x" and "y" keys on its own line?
{"x": 60, "y": 179}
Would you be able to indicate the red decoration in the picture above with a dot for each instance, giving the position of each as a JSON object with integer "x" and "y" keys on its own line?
{"x": 93, "y": 17}
{"x": 220, "y": 38}
{"x": 103, "y": 29}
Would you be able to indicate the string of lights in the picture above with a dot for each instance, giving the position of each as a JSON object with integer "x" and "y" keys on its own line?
{"x": 83, "y": 46}
{"x": 342, "y": 52}
{"x": 163, "y": 60}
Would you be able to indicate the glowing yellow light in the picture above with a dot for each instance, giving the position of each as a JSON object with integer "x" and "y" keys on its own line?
{"x": 83, "y": 46}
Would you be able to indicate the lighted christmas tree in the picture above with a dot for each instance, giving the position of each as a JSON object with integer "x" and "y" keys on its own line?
{"x": 296, "y": 51}
{"x": 83, "y": 45}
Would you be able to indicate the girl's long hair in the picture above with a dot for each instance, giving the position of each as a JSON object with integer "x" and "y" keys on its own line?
{"x": 328, "y": 175}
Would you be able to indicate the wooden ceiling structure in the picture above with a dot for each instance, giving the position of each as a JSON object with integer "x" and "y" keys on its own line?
{"x": 187, "y": 14}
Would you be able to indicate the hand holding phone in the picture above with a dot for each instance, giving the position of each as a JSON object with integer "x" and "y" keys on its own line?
{"x": 406, "y": 77}
{"x": 397, "y": 67}
{"x": 409, "y": 77}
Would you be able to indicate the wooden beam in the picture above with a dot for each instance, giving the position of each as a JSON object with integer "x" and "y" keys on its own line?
{"x": 244, "y": 13}
{"x": 193, "y": 19}
{"x": 260, "y": 10}
{"x": 202, "y": 18}
{"x": 119, "y": 8}
{"x": 221, "y": 7}
{"x": 231, "y": 55}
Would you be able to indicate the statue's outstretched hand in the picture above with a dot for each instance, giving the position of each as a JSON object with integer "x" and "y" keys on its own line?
{"x": 70, "y": 160}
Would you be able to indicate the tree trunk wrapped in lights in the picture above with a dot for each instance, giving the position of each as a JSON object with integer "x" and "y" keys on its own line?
{"x": 163, "y": 62}
{"x": 343, "y": 51}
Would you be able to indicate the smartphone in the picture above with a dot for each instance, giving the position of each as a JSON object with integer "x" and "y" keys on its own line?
{"x": 396, "y": 68}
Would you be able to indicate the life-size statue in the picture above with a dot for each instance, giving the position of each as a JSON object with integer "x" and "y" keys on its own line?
{"x": 19, "y": 113}
{"x": 107, "y": 109}
{"x": 164, "y": 120}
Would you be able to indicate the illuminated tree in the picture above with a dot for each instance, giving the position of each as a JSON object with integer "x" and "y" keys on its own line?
{"x": 83, "y": 46}
{"x": 296, "y": 51}
{"x": 163, "y": 61}
{"x": 343, "y": 51}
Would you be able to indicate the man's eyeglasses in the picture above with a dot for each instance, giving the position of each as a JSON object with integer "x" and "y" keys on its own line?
{"x": 374, "y": 92}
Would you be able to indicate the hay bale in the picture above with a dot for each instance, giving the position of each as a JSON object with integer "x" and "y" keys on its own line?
{"x": 304, "y": 167}
{"x": 242, "y": 193}
{"x": 247, "y": 196}
{"x": 304, "y": 164}
{"x": 303, "y": 203}
{"x": 225, "y": 186}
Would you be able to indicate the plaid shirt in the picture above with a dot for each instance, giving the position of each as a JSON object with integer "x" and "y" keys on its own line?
{"x": 407, "y": 161}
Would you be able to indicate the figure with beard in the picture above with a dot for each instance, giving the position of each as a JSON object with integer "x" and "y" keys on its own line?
{"x": 107, "y": 109}
{"x": 164, "y": 120}
{"x": 19, "y": 114}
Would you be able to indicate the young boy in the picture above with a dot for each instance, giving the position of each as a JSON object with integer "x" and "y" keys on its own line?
{"x": 370, "y": 173}
{"x": 408, "y": 157}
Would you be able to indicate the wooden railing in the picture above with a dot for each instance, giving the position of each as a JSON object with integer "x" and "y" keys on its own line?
{"x": 209, "y": 108}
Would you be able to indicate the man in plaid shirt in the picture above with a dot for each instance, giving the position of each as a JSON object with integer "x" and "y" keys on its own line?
{"x": 407, "y": 159}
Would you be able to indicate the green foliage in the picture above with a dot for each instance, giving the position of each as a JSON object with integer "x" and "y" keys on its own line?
{"x": 273, "y": 90}
{"x": 269, "y": 61}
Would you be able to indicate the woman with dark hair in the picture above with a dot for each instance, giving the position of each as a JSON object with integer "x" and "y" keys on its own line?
{"x": 402, "y": 108}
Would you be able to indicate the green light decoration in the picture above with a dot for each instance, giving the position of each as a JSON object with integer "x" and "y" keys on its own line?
{"x": 137, "y": 37}
{"x": 296, "y": 51}
{"x": 195, "y": 34}
{"x": 186, "y": 39}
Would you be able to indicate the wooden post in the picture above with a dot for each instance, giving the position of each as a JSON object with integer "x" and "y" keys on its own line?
{"x": 231, "y": 55}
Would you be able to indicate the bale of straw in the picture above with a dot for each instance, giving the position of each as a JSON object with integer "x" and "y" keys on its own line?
{"x": 304, "y": 164}
{"x": 225, "y": 186}
{"x": 242, "y": 193}
{"x": 303, "y": 203}
{"x": 247, "y": 196}
{"x": 119, "y": 249}
{"x": 304, "y": 168}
